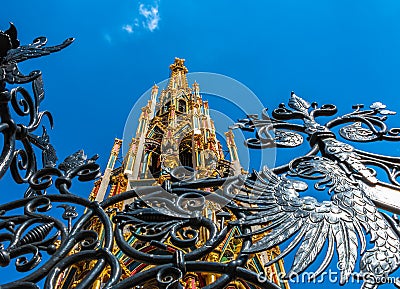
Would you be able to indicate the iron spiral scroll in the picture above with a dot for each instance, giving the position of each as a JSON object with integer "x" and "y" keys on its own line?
{"x": 44, "y": 234}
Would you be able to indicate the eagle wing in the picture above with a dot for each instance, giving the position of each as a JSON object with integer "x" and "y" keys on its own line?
{"x": 35, "y": 49}
{"x": 280, "y": 210}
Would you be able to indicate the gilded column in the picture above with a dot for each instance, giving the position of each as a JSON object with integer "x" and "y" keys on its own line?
{"x": 230, "y": 139}
{"x": 105, "y": 180}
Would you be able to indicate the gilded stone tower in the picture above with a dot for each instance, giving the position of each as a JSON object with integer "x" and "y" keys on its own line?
{"x": 174, "y": 130}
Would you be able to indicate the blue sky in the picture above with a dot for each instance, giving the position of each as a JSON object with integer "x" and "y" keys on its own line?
{"x": 337, "y": 51}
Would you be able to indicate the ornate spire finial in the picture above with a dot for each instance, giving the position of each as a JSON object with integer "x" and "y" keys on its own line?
{"x": 179, "y": 64}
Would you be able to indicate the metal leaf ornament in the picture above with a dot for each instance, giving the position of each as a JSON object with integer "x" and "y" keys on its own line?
{"x": 377, "y": 105}
{"x": 356, "y": 132}
{"x": 287, "y": 138}
{"x": 381, "y": 108}
{"x": 387, "y": 112}
{"x": 76, "y": 160}
{"x": 297, "y": 103}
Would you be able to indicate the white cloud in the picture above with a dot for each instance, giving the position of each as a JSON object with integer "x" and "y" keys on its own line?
{"x": 151, "y": 15}
{"x": 128, "y": 28}
{"x": 148, "y": 18}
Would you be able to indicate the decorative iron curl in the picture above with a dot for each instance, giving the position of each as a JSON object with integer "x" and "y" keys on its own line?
{"x": 35, "y": 232}
{"x": 20, "y": 102}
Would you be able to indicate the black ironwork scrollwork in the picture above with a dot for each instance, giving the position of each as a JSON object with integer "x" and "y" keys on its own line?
{"x": 20, "y": 101}
{"x": 172, "y": 229}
